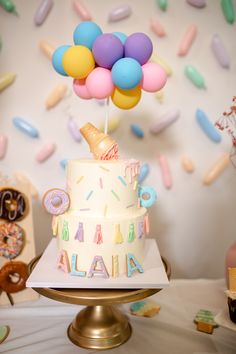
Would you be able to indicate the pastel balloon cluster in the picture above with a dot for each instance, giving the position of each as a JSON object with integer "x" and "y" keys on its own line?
{"x": 109, "y": 65}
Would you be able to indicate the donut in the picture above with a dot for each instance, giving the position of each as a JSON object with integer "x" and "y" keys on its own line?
{"x": 11, "y": 240}
{"x": 147, "y": 196}
{"x": 13, "y": 269}
{"x": 13, "y": 204}
{"x": 56, "y": 201}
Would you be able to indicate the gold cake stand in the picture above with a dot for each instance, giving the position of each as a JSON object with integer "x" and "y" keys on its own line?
{"x": 100, "y": 325}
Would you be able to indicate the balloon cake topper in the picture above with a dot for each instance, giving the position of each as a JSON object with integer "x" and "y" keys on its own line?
{"x": 107, "y": 65}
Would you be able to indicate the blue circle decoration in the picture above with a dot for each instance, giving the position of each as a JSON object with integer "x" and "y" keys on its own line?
{"x": 86, "y": 33}
{"x": 126, "y": 73}
{"x": 122, "y": 37}
{"x": 57, "y": 59}
{"x": 149, "y": 192}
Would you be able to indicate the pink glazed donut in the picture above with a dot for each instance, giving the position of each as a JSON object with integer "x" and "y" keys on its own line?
{"x": 56, "y": 201}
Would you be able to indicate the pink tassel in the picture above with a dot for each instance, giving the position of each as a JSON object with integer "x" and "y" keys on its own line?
{"x": 98, "y": 235}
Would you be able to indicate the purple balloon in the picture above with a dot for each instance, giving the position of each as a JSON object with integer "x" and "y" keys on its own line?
{"x": 107, "y": 49}
{"x": 138, "y": 46}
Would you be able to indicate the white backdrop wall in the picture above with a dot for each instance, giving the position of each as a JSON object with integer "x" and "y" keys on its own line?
{"x": 193, "y": 224}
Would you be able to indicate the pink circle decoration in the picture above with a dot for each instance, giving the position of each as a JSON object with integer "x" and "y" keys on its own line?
{"x": 56, "y": 201}
{"x": 154, "y": 77}
{"x": 81, "y": 90}
{"x": 99, "y": 83}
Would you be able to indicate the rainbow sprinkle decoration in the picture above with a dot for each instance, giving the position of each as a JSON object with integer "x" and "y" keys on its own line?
{"x": 104, "y": 168}
{"x": 101, "y": 183}
{"x": 80, "y": 179}
{"x": 115, "y": 195}
{"x": 122, "y": 180}
{"x": 89, "y": 195}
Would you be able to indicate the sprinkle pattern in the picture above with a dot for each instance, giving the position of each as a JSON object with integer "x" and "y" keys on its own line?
{"x": 89, "y": 195}
{"x": 115, "y": 194}
{"x": 122, "y": 180}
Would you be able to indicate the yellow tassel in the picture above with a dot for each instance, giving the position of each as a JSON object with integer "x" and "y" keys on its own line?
{"x": 118, "y": 238}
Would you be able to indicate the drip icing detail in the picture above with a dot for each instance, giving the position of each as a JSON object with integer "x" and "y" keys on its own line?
{"x": 131, "y": 169}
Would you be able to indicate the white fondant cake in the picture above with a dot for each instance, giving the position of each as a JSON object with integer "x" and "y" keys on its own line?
{"x": 104, "y": 224}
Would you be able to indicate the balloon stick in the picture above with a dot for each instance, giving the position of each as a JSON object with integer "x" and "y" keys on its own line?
{"x": 106, "y": 116}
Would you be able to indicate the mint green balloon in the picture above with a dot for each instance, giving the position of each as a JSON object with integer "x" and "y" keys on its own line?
{"x": 194, "y": 76}
{"x": 228, "y": 10}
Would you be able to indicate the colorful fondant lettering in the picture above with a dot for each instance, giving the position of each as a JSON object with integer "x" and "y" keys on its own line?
{"x": 65, "y": 231}
{"x": 102, "y": 271}
{"x": 80, "y": 233}
{"x": 74, "y": 271}
{"x": 54, "y": 225}
{"x": 63, "y": 261}
{"x": 133, "y": 265}
{"x": 131, "y": 235}
{"x": 118, "y": 238}
{"x": 98, "y": 235}
{"x": 115, "y": 266}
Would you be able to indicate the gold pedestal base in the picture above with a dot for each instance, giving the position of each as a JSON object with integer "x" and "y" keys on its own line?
{"x": 99, "y": 327}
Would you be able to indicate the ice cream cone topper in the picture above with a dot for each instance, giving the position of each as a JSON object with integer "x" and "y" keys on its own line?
{"x": 102, "y": 146}
{"x": 232, "y": 279}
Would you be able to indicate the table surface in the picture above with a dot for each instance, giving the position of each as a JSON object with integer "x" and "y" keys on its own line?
{"x": 40, "y": 326}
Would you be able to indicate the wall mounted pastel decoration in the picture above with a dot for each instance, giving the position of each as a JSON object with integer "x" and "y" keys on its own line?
{"x": 63, "y": 261}
{"x": 80, "y": 233}
{"x": 133, "y": 265}
{"x": 98, "y": 235}
{"x": 131, "y": 235}
{"x": 101, "y": 271}
{"x": 118, "y": 238}
{"x": 74, "y": 271}
{"x": 65, "y": 231}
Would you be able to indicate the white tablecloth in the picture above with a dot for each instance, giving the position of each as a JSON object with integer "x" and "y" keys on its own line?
{"x": 40, "y": 326}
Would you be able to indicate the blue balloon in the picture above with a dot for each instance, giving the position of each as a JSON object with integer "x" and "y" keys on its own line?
{"x": 86, "y": 33}
{"x": 122, "y": 37}
{"x": 57, "y": 59}
{"x": 126, "y": 73}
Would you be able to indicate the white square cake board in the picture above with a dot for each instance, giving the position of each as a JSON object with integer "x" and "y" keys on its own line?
{"x": 47, "y": 275}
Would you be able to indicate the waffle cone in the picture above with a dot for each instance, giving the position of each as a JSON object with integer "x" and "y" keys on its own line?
{"x": 99, "y": 143}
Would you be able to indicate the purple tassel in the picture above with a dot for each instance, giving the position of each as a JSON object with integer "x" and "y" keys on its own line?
{"x": 80, "y": 233}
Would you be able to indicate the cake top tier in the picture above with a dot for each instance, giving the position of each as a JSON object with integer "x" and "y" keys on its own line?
{"x": 104, "y": 188}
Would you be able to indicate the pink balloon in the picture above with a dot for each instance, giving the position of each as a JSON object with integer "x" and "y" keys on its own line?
{"x": 99, "y": 83}
{"x": 154, "y": 77}
{"x": 81, "y": 90}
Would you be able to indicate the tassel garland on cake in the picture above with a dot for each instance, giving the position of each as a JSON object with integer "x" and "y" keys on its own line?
{"x": 118, "y": 238}
{"x": 80, "y": 233}
{"x": 98, "y": 235}
{"x": 131, "y": 235}
{"x": 65, "y": 231}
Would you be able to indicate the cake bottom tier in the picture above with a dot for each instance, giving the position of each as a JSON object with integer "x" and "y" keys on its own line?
{"x": 112, "y": 241}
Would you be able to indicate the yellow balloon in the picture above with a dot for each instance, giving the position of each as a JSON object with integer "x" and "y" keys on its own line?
{"x": 78, "y": 62}
{"x": 126, "y": 99}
